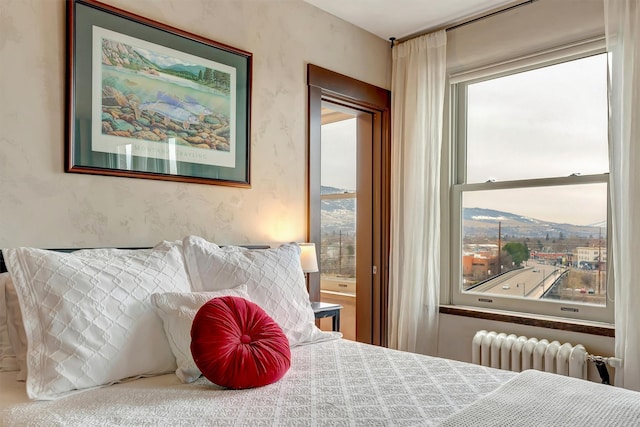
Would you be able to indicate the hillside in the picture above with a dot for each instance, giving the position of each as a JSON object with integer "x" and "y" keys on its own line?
{"x": 480, "y": 222}
{"x": 339, "y": 214}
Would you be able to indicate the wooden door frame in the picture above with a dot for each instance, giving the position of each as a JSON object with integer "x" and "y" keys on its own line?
{"x": 326, "y": 85}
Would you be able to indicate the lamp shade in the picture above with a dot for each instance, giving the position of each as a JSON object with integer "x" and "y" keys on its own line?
{"x": 308, "y": 258}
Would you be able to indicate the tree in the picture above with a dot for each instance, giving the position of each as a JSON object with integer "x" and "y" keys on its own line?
{"x": 208, "y": 75}
{"x": 517, "y": 251}
{"x": 222, "y": 79}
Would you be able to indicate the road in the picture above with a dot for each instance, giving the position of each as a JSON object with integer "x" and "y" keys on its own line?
{"x": 530, "y": 281}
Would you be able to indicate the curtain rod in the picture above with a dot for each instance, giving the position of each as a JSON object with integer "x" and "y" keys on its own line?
{"x": 393, "y": 40}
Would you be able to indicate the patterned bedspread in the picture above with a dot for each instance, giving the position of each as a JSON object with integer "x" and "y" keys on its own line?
{"x": 334, "y": 383}
{"x": 534, "y": 398}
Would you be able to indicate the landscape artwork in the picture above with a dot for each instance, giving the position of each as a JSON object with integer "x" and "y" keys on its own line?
{"x": 155, "y": 102}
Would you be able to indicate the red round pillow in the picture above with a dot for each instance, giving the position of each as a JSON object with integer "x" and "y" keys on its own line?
{"x": 236, "y": 344}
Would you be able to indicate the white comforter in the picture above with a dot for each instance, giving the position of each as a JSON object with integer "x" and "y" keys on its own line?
{"x": 337, "y": 382}
{"x": 536, "y": 399}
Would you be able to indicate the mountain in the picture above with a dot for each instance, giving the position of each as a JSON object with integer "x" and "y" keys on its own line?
{"x": 119, "y": 54}
{"x": 602, "y": 224}
{"x": 479, "y": 222}
{"x": 181, "y": 68}
{"x": 325, "y": 189}
{"x": 339, "y": 214}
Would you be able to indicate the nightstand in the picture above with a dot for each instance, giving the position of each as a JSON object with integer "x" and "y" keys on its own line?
{"x": 324, "y": 309}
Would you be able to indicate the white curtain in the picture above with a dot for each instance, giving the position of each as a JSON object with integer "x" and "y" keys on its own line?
{"x": 622, "y": 23}
{"x": 417, "y": 90}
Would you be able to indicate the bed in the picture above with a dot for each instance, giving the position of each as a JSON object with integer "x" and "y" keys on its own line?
{"x": 337, "y": 382}
{"x": 82, "y": 367}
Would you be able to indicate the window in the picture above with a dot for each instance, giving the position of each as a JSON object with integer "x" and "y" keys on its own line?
{"x": 530, "y": 195}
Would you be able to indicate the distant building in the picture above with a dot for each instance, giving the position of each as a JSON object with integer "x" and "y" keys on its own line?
{"x": 552, "y": 258}
{"x": 588, "y": 257}
{"x": 477, "y": 267}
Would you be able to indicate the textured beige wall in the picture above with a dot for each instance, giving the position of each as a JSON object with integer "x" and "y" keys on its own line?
{"x": 42, "y": 206}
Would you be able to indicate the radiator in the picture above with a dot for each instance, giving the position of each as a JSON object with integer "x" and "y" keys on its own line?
{"x": 514, "y": 353}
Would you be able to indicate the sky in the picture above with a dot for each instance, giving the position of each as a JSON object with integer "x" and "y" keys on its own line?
{"x": 338, "y": 162}
{"x": 549, "y": 122}
{"x": 546, "y": 122}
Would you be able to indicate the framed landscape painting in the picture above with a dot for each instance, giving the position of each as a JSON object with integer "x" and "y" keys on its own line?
{"x": 147, "y": 100}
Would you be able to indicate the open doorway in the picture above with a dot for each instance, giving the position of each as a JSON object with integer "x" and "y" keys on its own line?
{"x": 338, "y": 205}
{"x": 363, "y": 244}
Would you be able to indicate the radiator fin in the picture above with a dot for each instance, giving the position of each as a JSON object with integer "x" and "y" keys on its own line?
{"x": 518, "y": 353}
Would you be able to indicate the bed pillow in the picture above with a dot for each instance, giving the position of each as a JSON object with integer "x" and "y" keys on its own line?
{"x": 274, "y": 280}
{"x": 177, "y": 311}
{"x": 8, "y": 360}
{"x": 15, "y": 330}
{"x": 88, "y": 316}
{"x": 237, "y": 345}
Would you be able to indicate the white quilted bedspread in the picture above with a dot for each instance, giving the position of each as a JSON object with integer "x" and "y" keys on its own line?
{"x": 535, "y": 398}
{"x": 334, "y": 383}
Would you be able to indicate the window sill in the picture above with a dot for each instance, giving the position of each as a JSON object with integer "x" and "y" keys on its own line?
{"x": 592, "y": 328}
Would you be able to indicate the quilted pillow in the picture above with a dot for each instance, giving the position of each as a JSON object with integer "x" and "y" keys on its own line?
{"x": 88, "y": 316}
{"x": 177, "y": 311}
{"x": 274, "y": 280}
{"x": 15, "y": 330}
{"x": 8, "y": 360}
{"x": 237, "y": 345}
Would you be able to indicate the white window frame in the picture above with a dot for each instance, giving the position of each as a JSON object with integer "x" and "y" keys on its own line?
{"x": 457, "y": 102}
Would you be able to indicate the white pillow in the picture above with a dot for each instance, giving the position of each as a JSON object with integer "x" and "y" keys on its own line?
{"x": 177, "y": 311}
{"x": 8, "y": 360}
{"x": 274, "y": 280}
{"x": 88, "y": 316}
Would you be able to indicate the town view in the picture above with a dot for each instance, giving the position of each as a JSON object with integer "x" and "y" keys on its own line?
{"x": 337, "y": 254}
{"x": 338, "y": 233}
{"x": 512, "y": 255}
{"x": 537, "y": 259}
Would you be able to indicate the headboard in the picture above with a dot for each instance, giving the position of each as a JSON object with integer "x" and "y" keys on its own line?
{"x": 3, "y": 266}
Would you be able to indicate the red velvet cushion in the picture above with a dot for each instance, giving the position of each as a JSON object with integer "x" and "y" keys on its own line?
{"x": 235, "y": 344}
